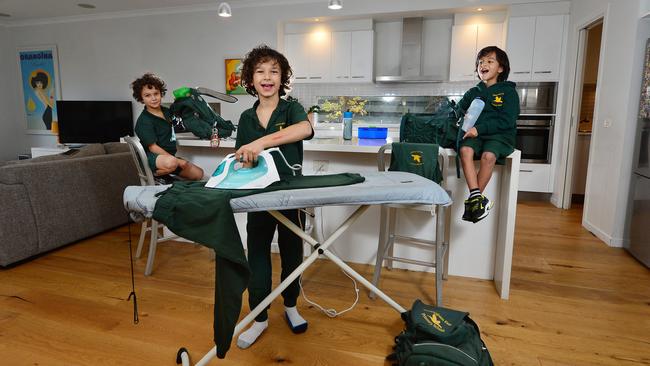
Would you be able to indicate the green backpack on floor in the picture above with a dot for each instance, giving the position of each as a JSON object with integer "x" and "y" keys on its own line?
{"x": 436, "y": 336}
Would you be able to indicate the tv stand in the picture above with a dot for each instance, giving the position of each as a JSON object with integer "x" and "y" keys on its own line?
{"x": 48, "y": 150}
{"x": 74, "y": 146}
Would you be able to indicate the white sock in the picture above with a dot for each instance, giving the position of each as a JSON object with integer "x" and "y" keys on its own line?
{"x": 247, "y": 338}
{"x": 296, "y": 322}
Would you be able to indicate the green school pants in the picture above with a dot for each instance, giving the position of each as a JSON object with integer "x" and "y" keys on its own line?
{"x": 260, "y": 229}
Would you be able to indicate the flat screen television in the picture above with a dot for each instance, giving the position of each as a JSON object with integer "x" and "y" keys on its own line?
{"x": 86, "y": 122}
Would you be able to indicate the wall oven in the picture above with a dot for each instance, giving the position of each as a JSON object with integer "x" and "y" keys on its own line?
{"x": 535, "y": 124}
{"x": 535, "y": 138}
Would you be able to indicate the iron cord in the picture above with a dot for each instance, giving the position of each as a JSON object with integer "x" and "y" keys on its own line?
{"x": 136, "y": 320}
{"x": 331, "y": 312}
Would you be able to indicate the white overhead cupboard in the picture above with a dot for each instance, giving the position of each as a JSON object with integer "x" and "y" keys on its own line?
{"x": 466, "y": 41}
{"x": 325, "y": 56}
{"x": 535, "y": 46}
{"x": 352, "y": 56}
{"x": 309, "y": 56}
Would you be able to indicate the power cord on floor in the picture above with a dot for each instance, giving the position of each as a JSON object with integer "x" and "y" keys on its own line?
{"x": 136, "y": 320}
{"x": 331, "y": 312}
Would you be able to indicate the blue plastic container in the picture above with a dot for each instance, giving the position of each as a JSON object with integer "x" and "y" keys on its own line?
{"x": 373, "y": 132}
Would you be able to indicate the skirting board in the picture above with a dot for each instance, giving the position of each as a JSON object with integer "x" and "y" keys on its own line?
{"x": 612, "y": 242}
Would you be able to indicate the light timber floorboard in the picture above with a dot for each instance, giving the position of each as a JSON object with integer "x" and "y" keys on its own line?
{"x": 573, "y": 301}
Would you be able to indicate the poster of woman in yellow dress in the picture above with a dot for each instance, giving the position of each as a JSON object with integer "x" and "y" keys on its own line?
{"x": 38, "y": 69}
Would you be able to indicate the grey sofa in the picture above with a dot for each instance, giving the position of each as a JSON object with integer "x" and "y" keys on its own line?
{"x": 51, "y": 201}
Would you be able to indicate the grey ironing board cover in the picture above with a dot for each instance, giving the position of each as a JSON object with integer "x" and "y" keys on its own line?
{"x": 378, "y": 188}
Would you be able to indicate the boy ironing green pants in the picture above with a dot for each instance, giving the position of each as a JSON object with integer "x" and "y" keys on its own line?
{"x": 271, "y": 122}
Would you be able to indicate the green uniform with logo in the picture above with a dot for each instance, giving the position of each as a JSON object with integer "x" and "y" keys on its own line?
{"x": 152, "y": 129}
{"x": 497, "y": 124}
{"x": 261, "y": 226}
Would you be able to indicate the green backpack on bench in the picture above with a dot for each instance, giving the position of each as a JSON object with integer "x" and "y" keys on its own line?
{"x": 441, "y": 128}
{"x": 194, "y": 114}
{"x": 436, "y": 336}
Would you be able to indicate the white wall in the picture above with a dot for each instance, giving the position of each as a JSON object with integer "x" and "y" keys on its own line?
{"x": 12, "y": 131}
{"x": 619, "y": 79}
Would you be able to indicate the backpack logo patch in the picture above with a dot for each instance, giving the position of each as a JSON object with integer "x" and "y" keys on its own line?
{"x": 436, "y": 320}
{"x": 416, "y": 157}
{"x": 498, "y": 100}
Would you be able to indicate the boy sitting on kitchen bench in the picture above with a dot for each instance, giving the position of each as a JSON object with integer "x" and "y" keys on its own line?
{"x": 493, "y": 136}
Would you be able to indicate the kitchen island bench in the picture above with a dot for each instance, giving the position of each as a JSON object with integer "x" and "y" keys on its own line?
{"x": 482, "y": 250}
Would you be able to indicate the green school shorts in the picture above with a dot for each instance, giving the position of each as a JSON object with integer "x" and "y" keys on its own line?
{"x": 151, "y": 159}
{"x": 480, "y": 145}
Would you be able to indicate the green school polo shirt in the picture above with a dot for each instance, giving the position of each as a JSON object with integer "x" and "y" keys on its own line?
{"x": 285, "y": 114}
{"x": 152, "y": 129}
{"x": 498, "y": 120}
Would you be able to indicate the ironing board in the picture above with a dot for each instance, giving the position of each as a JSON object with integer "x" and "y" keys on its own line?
{"x": 378, "y": 188}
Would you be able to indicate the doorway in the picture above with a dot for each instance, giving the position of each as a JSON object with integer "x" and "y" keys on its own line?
{"x": 584, "y": 103}
{"x": 586, "y": 115}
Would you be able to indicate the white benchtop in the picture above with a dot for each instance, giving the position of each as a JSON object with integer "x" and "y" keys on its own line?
{"x": 329, "y": 144}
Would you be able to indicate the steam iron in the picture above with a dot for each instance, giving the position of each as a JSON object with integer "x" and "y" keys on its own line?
{"x": 231, "y": 174}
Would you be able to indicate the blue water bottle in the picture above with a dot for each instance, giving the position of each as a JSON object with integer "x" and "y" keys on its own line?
{"x": 347, "y": 125}
{"x": 474, "y": 110}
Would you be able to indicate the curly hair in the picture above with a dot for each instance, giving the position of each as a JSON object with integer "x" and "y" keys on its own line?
{"x": 261, "y": 54}
{"x": 147, "y": 80}
{"x": 40, "y": 76}
{"x": 502, "y": 59}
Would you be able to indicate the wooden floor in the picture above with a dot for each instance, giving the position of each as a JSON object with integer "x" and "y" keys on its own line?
{"x": 574, "y": 301}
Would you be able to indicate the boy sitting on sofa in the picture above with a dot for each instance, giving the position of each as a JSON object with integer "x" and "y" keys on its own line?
{"x": 155, "y": 130}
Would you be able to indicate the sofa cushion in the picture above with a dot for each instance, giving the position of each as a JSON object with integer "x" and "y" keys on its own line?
{"x": 116, "y": 147}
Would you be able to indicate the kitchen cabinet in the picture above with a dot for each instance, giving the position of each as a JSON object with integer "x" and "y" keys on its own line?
{"x": 535, "y": 177}
{"x": 534, "y": 47}
{"x": 324, "y": 57}
{"x": 352, "y": 56}
{"x": 309, "y": 56}
{"x": 466, "y": 41}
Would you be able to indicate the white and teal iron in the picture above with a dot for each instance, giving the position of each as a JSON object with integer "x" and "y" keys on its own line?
{"x": 231, "y": 174}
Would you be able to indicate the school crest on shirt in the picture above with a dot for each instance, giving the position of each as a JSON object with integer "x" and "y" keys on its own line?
{"x": 416, "y": 157}
{"x": 497, "y": 100}
{"x": 280, "y": 125}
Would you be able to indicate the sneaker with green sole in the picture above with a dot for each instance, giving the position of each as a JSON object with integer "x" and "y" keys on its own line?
{"x": 482, "y": 209}
{"x": 470, "y": 205}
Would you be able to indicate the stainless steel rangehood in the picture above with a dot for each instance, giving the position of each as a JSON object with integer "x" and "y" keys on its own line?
{"x": 411, "y": 56}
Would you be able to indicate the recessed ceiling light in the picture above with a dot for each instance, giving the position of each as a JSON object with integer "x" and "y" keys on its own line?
{"x": 479, "y": 9}
{"x": 316, "y": 20}
{"x": 86, "y": 6}
{"x": 5, "y": 15}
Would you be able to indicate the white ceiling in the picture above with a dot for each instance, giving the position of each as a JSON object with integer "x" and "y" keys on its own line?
{"x": 35, "y": 10}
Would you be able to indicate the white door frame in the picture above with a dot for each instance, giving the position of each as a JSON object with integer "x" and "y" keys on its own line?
{"x": 575, "y": 103}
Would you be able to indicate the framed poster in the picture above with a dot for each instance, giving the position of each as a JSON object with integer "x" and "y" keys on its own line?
{"x": 233, "y": 76}
{"x": 39, "y": 72}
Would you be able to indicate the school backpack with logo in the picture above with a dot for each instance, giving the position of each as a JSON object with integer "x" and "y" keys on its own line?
{"x": 437, "y": 336}
{"x": 441, "y": 128}
{"x": 191, "y": 112}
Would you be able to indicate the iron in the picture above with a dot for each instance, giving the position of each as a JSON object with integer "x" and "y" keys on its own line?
{"x": 231, "y": 174}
